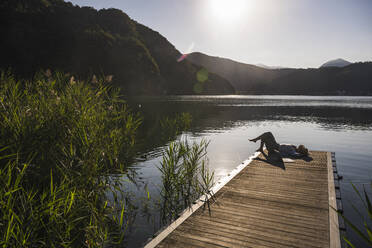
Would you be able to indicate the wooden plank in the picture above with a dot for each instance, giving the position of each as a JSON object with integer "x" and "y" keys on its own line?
{"x": 275, "y": 210}
{"x": 264, "y": 205}
{"x": 252, "y": 231}
{"x": 230, "y": 237}
{"x": 182, "y": 241}
{"x": 334, "y": 237}
{"x": 263, "y": 225}
{"x": 312, "y": 214}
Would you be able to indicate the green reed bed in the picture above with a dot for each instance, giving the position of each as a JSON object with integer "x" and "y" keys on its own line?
{"x": 60, "y": 140}
{"x": 185, "y": 177}
{"x": 364, "y": 233}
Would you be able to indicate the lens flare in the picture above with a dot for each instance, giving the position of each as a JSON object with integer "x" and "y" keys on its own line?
{"x": 188, "y": 51}
{"x": 202, "y": 75}
{"x": 198, "y": 88}
{"x": 183, "y": 56}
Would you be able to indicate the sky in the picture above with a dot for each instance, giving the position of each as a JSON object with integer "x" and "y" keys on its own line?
{"x": 288, "y": 33}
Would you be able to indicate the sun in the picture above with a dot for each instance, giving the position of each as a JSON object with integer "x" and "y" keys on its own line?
{"x": 228, "y": 10}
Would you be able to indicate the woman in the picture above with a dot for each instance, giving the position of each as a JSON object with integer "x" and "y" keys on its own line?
{"x": 285, "y": 150}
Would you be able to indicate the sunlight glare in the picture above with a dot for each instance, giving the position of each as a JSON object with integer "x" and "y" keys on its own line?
{"x": 228, "y": 10}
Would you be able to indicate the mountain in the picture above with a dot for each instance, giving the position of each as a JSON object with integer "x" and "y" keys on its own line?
{"x": 177, "y": 75}
{"x": 353, "y": 79}
{"x": 336, "y": 63}
{"x": 244, "y": 77}
{"x": 42, "y": 34}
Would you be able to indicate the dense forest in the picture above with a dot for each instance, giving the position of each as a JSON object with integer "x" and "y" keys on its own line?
{"x": 354, "y": 79}
{"x": 53, "y": 34}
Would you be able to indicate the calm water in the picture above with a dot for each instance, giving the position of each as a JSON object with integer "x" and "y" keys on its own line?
{"x": 338, "y": 124}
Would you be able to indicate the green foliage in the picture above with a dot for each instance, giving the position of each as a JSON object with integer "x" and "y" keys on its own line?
{"x": 202, "y": 75}
{"x": 366, "y": 234}
{"x": 171, "y": 127}
{"x": 61, "y": 141}
{"x": 185, "y": 177}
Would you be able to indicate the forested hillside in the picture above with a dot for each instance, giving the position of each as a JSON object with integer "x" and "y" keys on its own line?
{"x": 353, "y": 79}
{"x": 53, "y": 34}
{"x": 244, "y": 77}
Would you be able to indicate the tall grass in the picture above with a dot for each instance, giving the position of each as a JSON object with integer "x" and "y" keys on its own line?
{"x": 365, "y": 233}
{"x": 60, "y": 142}
{"x": 185, "y": 177}
{"x": 171, "y": 127}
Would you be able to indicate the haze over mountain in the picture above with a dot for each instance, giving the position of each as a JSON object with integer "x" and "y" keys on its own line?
{"x": 336, "y": 63}
{"x": 270, "y": 67}
{"x": 41, "y": 34}
{"x": 354, "y": 79}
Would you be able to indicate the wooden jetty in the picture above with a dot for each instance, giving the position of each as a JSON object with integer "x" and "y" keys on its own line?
{"x": 262, "y": 204}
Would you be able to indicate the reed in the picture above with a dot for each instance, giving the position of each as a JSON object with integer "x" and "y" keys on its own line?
{"x": 171, "y": 127}
{"x": 61, "y": 140}
{"x": 185, "y": 177}
{"x": 365, "y": 233}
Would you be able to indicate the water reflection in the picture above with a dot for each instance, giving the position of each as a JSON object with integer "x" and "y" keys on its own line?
{"x": 215, "y": 113}
{"x": 268, "y": 100}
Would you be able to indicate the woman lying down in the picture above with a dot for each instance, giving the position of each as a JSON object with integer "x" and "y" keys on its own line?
{"x": 285, "y": 150}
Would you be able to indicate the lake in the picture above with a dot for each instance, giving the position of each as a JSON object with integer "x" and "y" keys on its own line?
{"x": 340, "y": 124}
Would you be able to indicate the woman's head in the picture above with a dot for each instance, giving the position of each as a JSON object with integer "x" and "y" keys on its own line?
{"x": 303, "y": 150}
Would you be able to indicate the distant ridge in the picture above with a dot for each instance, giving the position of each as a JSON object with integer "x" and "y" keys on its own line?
{"x": 336, "y": 63}
{"x": 352, "y": 79}
{"x": 244, "y": 77}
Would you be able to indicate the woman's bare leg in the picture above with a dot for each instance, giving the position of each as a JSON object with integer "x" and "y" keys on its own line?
{"x": 268, "y": 140}
{"x": 264, "y": 135}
